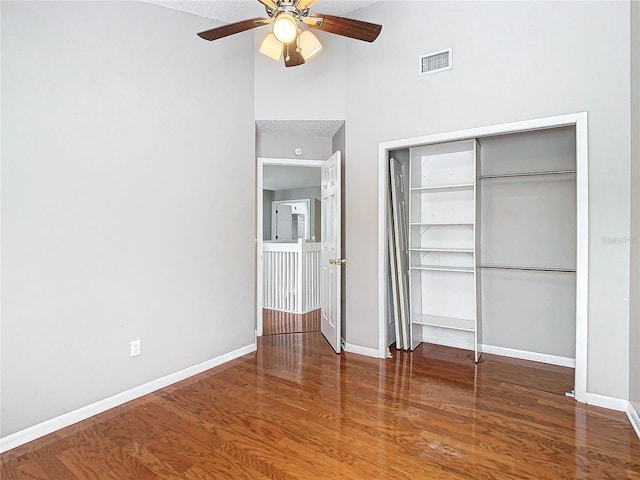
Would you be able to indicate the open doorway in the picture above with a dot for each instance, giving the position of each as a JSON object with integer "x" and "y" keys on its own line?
{"x": 289, "y": 233}
{"x": 303, "y": 145}
{"x": 296, "y": 276}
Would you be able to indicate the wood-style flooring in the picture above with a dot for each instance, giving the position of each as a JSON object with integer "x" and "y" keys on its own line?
{"x": 275, "y": 321}
{"x": 296, "y": 410}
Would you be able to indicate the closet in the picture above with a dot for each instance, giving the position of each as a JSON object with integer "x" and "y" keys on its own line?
{"x": 492, "y": 243}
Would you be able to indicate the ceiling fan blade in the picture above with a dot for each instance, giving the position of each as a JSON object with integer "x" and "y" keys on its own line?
{"x": 292, "y": 58}
{"x": 348, "y": 27}
{"x": 232, "y": 28}
{"x": 269, "y": 4}
{"x": 302, "y": 4}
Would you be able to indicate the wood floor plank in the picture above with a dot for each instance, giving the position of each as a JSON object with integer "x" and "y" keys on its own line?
{"x": 295, "y": 410}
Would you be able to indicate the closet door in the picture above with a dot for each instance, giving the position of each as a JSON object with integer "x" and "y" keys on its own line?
{"x": 528, "y": 238}
{"x": 400, "y": 252}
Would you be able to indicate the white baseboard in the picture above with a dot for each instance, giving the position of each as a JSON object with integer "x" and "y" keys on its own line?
{"x": 369, "y": 352}
{"x": 533, "y": 356}
{"x": 611, "y": 403}
{"x": 49, "y": 426}
{"x": 634, "y": 418}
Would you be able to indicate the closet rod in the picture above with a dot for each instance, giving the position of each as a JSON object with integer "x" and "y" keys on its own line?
{"x": 532, "y": 269}
{"x": 527, "y": 174}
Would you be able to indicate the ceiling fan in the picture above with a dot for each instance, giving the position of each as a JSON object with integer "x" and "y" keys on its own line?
{"x": 297, "y": 44}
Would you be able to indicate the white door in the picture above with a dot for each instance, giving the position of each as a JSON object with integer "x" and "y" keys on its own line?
{"x": 393, "y": 327}
{"x": 401, "y": 250}
{"x": 330, "y": 254}
{"x": 283, "y": 224}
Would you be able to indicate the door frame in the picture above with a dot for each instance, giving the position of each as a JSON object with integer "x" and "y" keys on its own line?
{"x": 579, "y": 121}
{"x": 261, "y": 163}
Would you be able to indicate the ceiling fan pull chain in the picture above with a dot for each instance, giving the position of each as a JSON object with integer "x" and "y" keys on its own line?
{"x": 288, "y": 57}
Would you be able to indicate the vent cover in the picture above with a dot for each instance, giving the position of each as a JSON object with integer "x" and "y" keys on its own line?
{"x": 435, "y": 62}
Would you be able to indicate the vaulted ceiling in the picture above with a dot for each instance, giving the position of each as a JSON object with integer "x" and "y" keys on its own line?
{"x": 232, "y": 11}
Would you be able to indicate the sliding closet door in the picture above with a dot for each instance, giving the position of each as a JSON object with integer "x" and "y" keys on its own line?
{"x": 528, "y": 243}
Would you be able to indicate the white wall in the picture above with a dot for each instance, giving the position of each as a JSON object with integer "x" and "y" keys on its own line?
{"x": 308, "y": 193}
{"x": 313, "y": 91}
{"x": 123, "y": 134}
{"x": 634, "y": 294}
{"x": 512, "y": 61}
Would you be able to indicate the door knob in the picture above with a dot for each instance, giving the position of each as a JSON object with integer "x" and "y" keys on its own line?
{"x": 337, "y": 261}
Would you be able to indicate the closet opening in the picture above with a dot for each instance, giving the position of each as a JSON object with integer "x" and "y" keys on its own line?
{"x": 483, "y": 239}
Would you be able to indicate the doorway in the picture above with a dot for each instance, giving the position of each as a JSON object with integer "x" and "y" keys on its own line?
{"x": 579, "y": 122}
{"x": 296, "y": 276}
{"x": 281, "y": 183}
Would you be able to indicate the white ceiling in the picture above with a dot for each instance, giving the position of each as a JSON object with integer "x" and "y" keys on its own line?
{"x": 308, "y": 128}
{"x": 281, "y": 177}
{"x": 235, "y": 10}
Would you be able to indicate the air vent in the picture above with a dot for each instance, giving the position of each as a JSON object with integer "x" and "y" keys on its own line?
{"x": 435, "y": 62}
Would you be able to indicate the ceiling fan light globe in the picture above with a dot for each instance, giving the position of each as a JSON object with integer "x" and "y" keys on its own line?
{"x": 271, "y": 47}
{"x": 309, "y": 44}
{"x": 285, "y": 28}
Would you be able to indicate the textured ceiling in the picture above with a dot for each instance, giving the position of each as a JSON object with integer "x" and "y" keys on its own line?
{"x": 308, "y": 128}
{"x": 236, "y": 10}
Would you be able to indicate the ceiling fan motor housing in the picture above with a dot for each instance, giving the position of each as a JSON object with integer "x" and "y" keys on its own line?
{"x": 288, "y": 6}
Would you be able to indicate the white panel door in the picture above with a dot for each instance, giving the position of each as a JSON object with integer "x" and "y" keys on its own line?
{"x": 330, "y": 254}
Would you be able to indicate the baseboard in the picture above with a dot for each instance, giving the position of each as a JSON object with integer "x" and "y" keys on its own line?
{"x": 369, "y": 352}
{"x": 634, "y": 418}
{"x": 533, "y": 356}
{"x": 611, "y": 403}
{"x": 49, "y": 426}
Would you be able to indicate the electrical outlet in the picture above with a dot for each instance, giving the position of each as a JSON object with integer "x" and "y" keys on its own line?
{"x": 135, "y": 348}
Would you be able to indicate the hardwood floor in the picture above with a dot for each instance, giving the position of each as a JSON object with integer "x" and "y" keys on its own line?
{"x": 295, "y": 410}
{"x": 275, "y": 321}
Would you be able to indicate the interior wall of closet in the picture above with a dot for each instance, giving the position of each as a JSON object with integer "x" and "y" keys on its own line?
{"x": 491, "y": 244}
